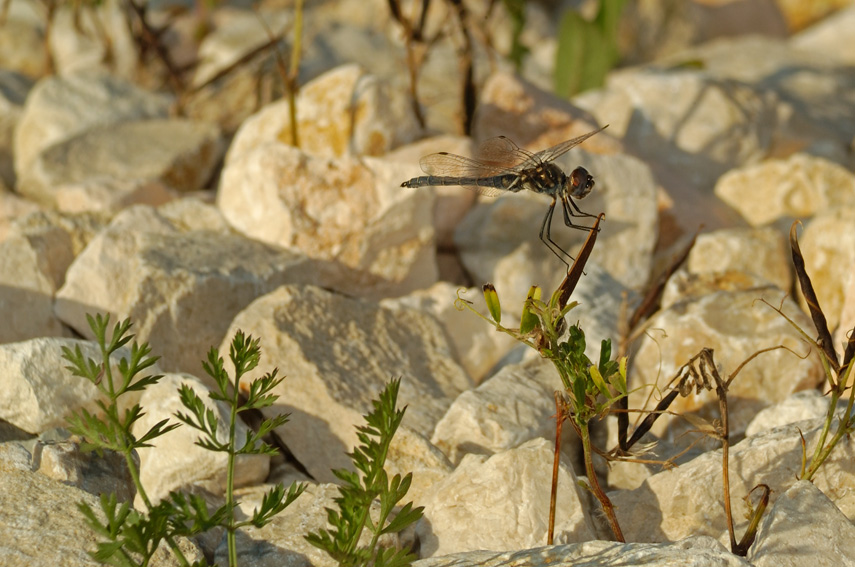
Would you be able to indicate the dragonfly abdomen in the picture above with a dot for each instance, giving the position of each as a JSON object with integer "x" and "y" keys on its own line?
{"x": 498, "y": 181}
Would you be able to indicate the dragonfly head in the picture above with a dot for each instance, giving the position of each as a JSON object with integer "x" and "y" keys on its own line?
{"x": 579, "y": 183}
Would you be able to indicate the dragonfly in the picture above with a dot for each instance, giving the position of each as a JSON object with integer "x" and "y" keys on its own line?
{"x": 502, "y": 166}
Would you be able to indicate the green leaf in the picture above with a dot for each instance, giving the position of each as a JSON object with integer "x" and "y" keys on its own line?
{"x": 493, "y": 305}
{"x": 529, "y": 320}
{"x": 587, "y": 51}
{"x": 597, "y": 378}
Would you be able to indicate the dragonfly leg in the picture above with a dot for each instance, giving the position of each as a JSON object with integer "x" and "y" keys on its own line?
{"x": 568, "y": 213}
{"x": 551, "y": 244}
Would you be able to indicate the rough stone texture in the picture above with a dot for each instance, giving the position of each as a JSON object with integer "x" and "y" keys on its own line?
{"x": 12, "y": 208}
{"x": 60, "y": 107}
{"x": 828, "y": 247}
{"x": 350, "y": 211}
{"x": 797, "y": 187}
{"x": 345, "y": 112}
{"x": 33, "y": 260}
{"x": 501, "y": 502}
{"x": 13, "y": 92}
{"x": 22, "y": 39}
{"x": 699, "y": 551}
{"x": 803, "y": 526}
{"x": 40, "y": 525}
{"x": 762, "y": 252}
{"x": 174, "y": 460}
{"x": 181, "y": 289}
{"x": 39, "y": 392}
{"x": 411, "y": 452}
{"x": 736, "y": 325}
{"x": 111, "y": 166}
{"x": 87, "y": 470}
{"x": 814, "y": 90}
{"x": 478, "y": 346}
{"x": 801, "y": 406}
{"x": 498, "y": 239}
{"x": 534, "y": 118}
{"x": 512, "y": 407}
{"x": 93, "y": 38}
{"x": 823, "y": 38}
{"x": 690, "y": 127}
{"x": 687, "y": 500}
{"x": 338, "y": 353}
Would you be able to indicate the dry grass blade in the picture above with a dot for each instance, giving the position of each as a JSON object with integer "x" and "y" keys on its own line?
{"x": 823, "y": 341}
{"x": 569, "y": 284}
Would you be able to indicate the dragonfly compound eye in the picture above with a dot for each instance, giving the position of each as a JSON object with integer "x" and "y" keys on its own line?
{"x": 581, "y": 183}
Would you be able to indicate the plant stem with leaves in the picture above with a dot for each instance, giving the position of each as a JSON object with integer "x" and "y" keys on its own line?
{"x": 244, "y": 354}
{"x": 360, "y": 489}
{"x": 132, "y": 536}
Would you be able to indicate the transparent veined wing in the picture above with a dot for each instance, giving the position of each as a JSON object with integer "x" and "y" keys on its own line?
{"x": 554, "y": 152}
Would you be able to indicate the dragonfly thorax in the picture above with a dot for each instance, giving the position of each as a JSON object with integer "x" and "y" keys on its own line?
{"x": 545, "y": 178}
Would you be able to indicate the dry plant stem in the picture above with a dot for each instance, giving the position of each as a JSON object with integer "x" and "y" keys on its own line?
{"x": 560, "y": 416}
{"x": 412, "y": 37}
{"x": 152, "y": 39}
{"x": 294, "y": 71}
{"x": 608, "y": 508}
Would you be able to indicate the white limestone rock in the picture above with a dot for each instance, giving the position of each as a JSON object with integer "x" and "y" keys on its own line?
{"x": 181, "y": 288}
{"x": 735, "y": 324}
{"x": 59, "y": 107}
{"x": 512, "y": 407}
{"x": 337, "y": 354}
{"x": 39, "y": 392}
{"x": 803, "y": 524}
{"x": 696, "y": 551}
{"x": 502, "y": 502}
{"x": 688, "y": 500}
{"x": 347, "y": 210}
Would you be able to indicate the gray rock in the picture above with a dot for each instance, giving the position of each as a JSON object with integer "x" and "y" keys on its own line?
{"x": 510, "y": 408}
{"x": 40, "y": 393}
{"x": 803, "y": 525}
{"x": 337, "y": 353}
{"x": 60, "y": 107}
{"x": 736, "y": 325}
{"x": 801, "y": 406}
{"x": 688, "y": 500}
{"x": 112, "y": 166}
{"x": 696, "y": 551}
{"x": 64, "y": 461}
{"x": 502, "y": 502}
{"x": 40, "y": 525}
{"x": 351, "y": 211}
{"x": 477, "y": 345}
{"x": 182, "y": 289}
{"x": 13, "y": 92}
{"x": 797, "y": 187}
{"x": 33, "y": 260}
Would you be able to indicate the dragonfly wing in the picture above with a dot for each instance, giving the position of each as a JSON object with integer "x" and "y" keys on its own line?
{"x": 502, "y": 153}
{"x": 452, "y": 165}
{"x": 562, "y": 148}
